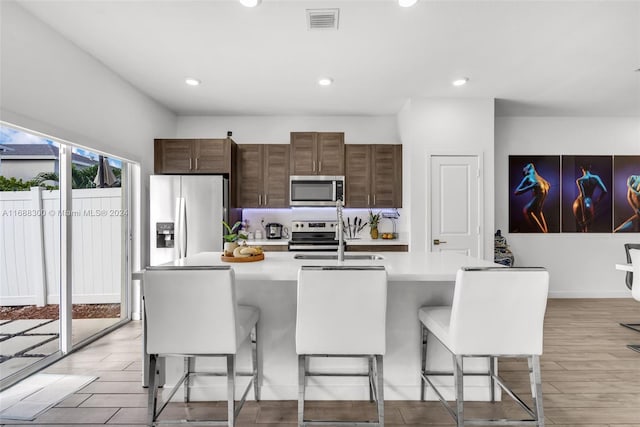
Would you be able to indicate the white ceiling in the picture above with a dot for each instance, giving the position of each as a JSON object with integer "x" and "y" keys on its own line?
{"x": 553, "y": 58}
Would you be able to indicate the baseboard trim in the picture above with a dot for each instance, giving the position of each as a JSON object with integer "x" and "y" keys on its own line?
{"x": 590, "y": 294}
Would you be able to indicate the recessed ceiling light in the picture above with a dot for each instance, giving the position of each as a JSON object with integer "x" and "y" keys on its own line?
{"x": 250, "y": 3}
{"x": 191, "y": 81}
{"x": 407, "y": 3}
{"x": 460, "y": 82}
{"x": 325, "y": 81}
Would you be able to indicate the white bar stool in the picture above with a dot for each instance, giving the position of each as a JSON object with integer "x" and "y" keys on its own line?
{"x": 496, "y": 312}
{"x": 192, "y": 312}
{"x": 342, "y": 313}
{"x": 634, "y": 258}
{"x": 629, "y": 282}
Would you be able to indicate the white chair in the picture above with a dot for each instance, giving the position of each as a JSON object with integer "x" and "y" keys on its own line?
{"x": 635, "y": 288}
{"x": 496, "y": 312}
{"x": 192, "y": 312}
{"x": 341, "y": 312}
{"x": 629, "y": 282}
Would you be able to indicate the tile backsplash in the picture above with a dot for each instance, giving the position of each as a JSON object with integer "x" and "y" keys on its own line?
{"x": 257, "y": 218}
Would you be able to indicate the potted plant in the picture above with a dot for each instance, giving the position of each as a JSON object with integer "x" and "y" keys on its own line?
{"x": 374, "y": 219}
{"x": 232, "y": 236}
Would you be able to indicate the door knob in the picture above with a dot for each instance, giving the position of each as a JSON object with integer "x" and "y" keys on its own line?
{"x": 437, "y": 242}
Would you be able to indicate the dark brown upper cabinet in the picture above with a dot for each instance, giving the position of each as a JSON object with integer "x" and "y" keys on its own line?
{"x": 317, "y": 153}
{"x": 373, "y": 176}
{"x": 263, "y": 175}
{"x": 193, "y": 155}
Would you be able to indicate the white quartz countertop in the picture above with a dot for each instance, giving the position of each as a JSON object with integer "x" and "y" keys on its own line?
{"x": 401, "y": 266}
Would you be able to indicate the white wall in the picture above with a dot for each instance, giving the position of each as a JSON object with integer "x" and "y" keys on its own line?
{"x": 444, "y": 126}
{"x": 276, "y": 129}
{"x": 580, "y": 265}
{"x": 51, "y": 86}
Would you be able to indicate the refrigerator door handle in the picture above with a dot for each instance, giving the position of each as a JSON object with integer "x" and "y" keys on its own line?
{"x": 183, "y": 228}
{"x": 179, "y": 227}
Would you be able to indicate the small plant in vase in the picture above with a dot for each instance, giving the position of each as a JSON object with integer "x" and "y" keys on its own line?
{"x": 232, "y": 236}
{"x": 374, "y": 219}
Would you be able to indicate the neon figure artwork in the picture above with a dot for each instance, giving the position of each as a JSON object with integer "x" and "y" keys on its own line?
{"x": 539, "y": 187}
{"x": 584, "y": 207}
{"x": 633, "y": 197}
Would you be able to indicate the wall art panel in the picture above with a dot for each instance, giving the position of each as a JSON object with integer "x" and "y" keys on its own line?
{"x": 534, "y": 200}
{"x": 626, "y": 194}
{"x": 586, "y": 194}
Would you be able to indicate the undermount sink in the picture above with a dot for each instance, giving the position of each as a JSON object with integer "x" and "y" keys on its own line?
{"x": 346, "y": 257}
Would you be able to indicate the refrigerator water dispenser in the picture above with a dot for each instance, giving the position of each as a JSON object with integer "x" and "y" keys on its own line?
{"x": 165, "y": 235}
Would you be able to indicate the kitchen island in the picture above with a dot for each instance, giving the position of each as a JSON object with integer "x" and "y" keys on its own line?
{"x": 415, "y": 279}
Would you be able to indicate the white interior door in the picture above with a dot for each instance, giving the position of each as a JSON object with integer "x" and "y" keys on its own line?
{"x": 455, "y": 198}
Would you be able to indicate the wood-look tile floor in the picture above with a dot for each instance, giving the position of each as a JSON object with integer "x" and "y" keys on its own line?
{"x": 589, "y": 379}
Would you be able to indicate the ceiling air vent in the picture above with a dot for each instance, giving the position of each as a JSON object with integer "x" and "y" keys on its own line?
{"x": 322, "y": 19}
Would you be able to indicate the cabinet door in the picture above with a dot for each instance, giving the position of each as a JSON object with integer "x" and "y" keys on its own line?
{"x": 212, "y": 156}
{"x": 303, "y": 153}
{"x": 276, "y": 176}
{"x": 357, "y": 175}
{"x": 249, "y": 175}
{"x": 173, "y": 156}
{"x": 330, "y": 148}
{"x": 386, "y": 182}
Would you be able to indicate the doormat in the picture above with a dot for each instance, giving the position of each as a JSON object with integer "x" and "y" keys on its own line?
{"x": 37, "y": 393}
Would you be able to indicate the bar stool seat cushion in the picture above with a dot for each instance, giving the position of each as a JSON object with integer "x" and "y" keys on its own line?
{"x": 436, "y": 319}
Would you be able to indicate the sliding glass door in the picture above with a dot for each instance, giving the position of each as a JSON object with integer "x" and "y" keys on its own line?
{"x": 64, "y": 277}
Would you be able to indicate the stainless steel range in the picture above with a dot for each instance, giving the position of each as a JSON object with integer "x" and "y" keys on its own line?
{"x": 314, "y": 236}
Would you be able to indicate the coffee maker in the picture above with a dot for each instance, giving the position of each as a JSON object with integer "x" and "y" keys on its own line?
{"x": 275, "y": 230}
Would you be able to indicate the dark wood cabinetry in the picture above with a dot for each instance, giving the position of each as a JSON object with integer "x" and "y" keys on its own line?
{"x": 263, "y": 175}
{"x": 317, "y": 153}
{"x": 373, "y": 176}
{"x": 193, "y": 156}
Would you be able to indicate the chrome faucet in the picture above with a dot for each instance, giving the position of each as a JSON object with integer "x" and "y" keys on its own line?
{"x": 339, "y": 206}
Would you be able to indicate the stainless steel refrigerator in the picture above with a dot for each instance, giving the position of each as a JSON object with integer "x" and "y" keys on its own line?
{"x": 186, "y": 214}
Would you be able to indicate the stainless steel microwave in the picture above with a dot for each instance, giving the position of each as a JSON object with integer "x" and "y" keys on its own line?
{"x": 315, "y": 190}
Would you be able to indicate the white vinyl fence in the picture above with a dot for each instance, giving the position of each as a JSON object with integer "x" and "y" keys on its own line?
{"x": 30, "y": 246}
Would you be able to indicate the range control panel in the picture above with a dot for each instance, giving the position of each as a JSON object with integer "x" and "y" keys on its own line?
{"x": 307, "y": 226}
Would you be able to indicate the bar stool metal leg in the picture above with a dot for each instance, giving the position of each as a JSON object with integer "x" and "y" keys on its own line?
{"x": 536, "y": 388}
{"x": 380, "y": 389}
{"x": 254, "y": 363}
{"x": 371, "y": 378}
{"x": 458, "y": 379}
{"x": 153, "y": 389}
{"x": 423, "y": 382}
{"x": 301, "y": 386}
{"x": 492, "y": 373}
{"x": 231, "y": 389}
{"x": 189, "y": 368}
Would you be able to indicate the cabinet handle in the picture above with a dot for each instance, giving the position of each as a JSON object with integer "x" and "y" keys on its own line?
{"x": 320, "y": 166}
{"x": 374, "y": 199}
{"x": 265, "y": 199}
{"x": 313, "y": 166}
{"x": 190, "y": 164}
{"x": 368, "y": 199}
{"x": 196, "y": 163}
{"x": 259, "y": 199}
